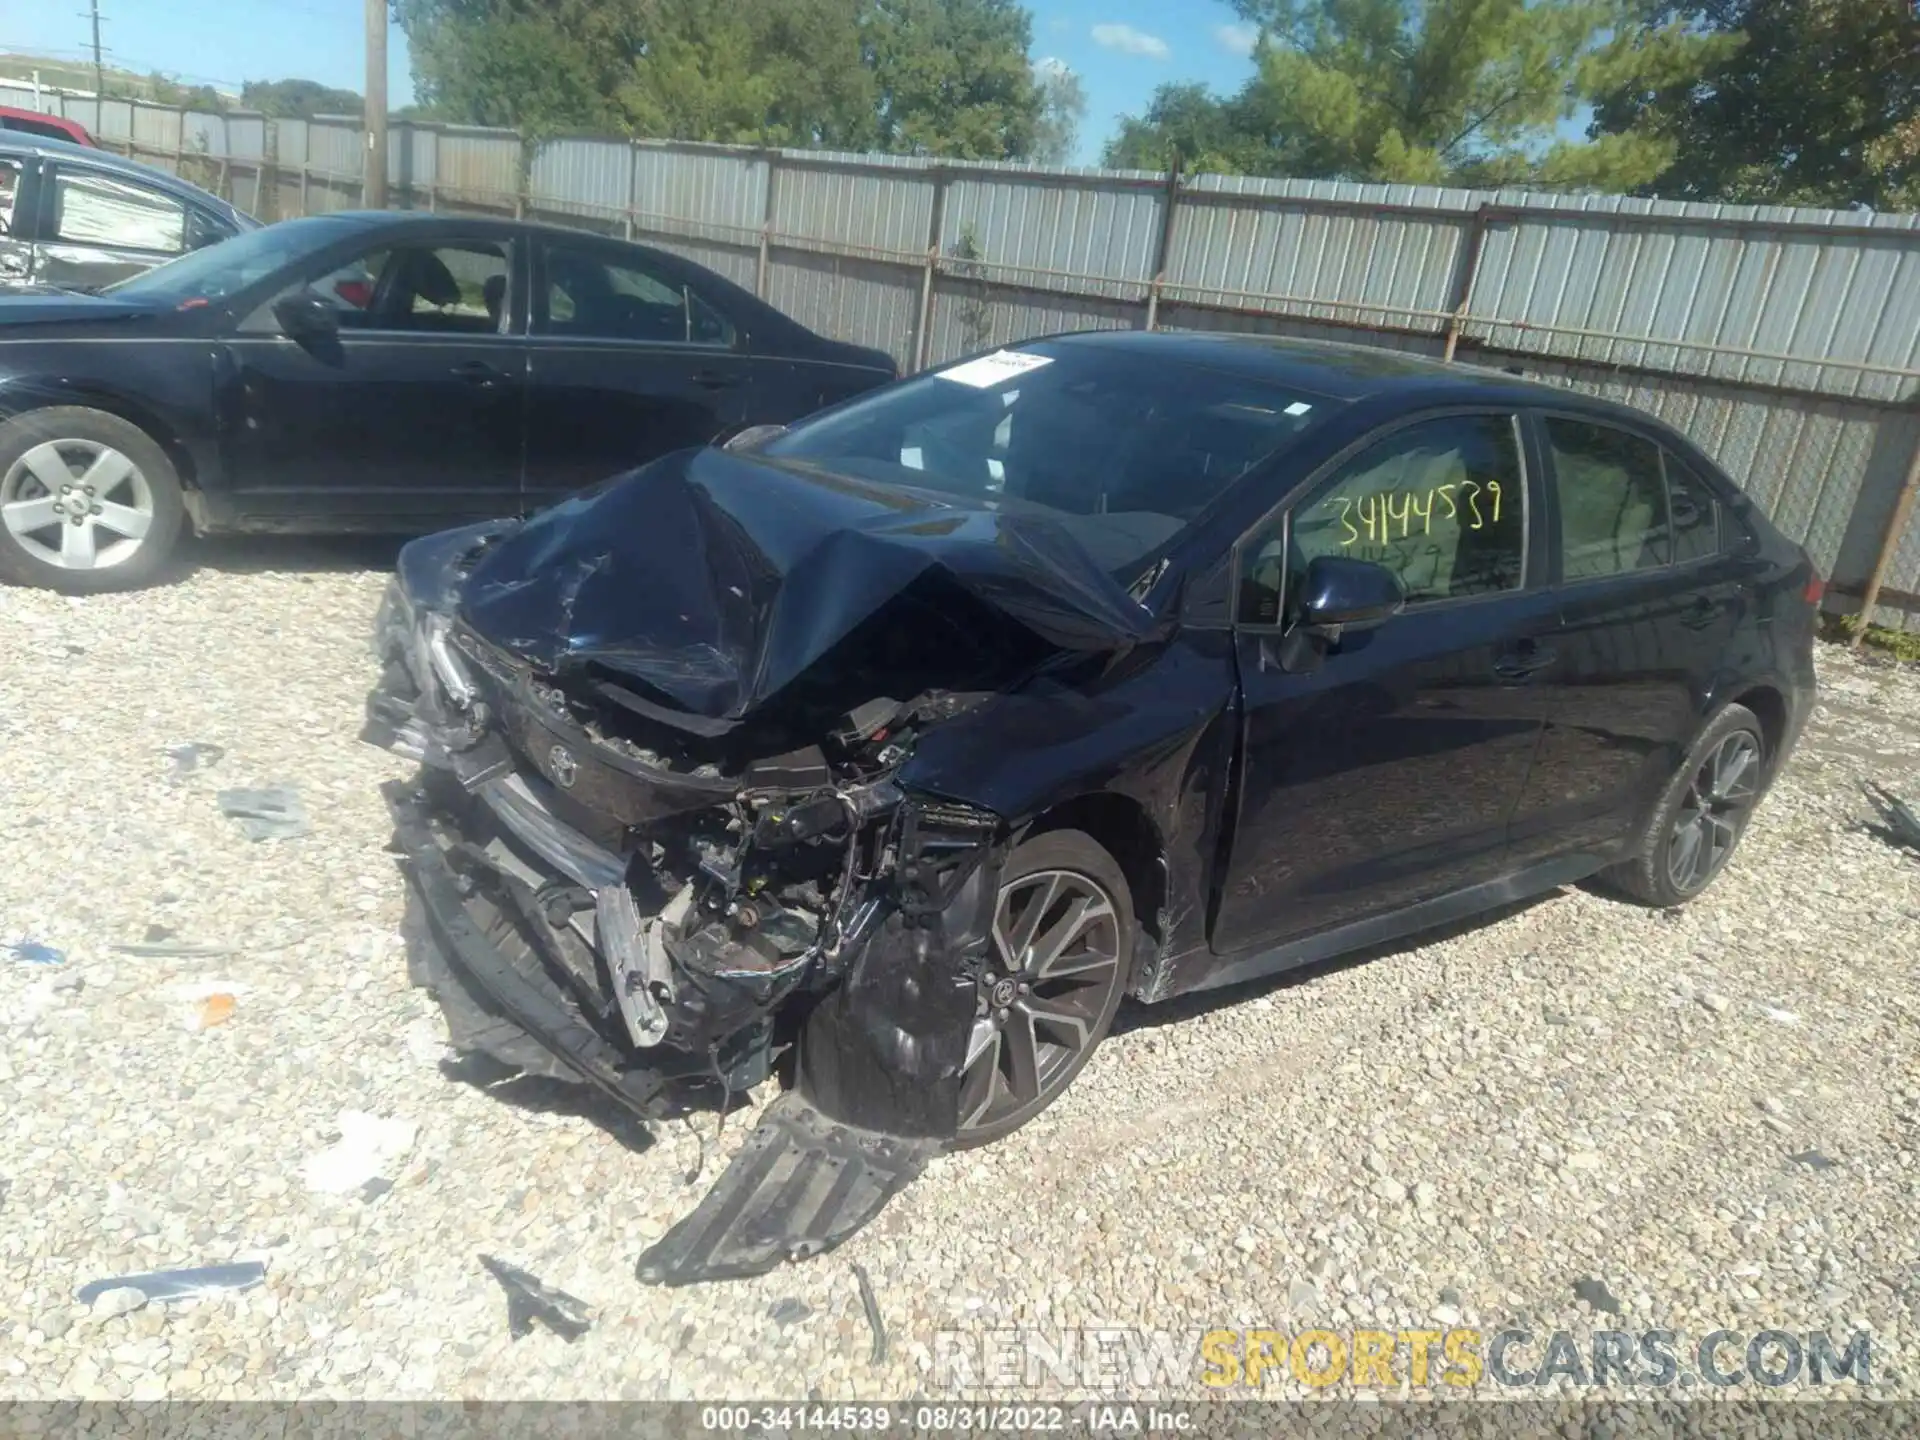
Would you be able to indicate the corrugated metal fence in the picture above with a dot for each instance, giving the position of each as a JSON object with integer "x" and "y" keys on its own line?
{"x": 1786, "y": 342}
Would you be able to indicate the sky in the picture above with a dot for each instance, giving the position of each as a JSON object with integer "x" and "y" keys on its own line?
{"x": 1122, "y": 49}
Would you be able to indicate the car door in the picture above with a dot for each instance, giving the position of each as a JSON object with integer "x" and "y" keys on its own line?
{"x": 1386, "y": 775}
{"x": 628, "y": 361}
{"x": 17, "y": 175}
{"x": 1649, "y": 604}
{"x": 413, "y": 416}
{"x": 96, "y": 228}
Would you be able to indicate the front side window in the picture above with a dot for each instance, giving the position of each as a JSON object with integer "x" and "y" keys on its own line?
{"x": 1442, "y": 504}
{"x": 454, "y": 287}
{"x": 1123, "y": 448}
{"x": 591, "y": 296}
{"x": 90, "y": 209}
{"x": 1612, "y": 498}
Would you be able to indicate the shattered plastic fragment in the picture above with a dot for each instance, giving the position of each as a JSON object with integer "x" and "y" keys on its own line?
{"x": 529, "y": 1299}
{"x": 191, "y": 756}
{"x": 878, "y": 1355}
{"x": 768, "y": 1207}
{"x": 789, "y": 1311}
{"x": 32, "y": 952}
{"x": 179, "y": 1284}
{"x": 175, "y": 952}
{"x": 1900, "y": 825}
{"x": 367, "y": 1145}
{"x": 1596, "y": 1294}
{"x": 212, "y": 1010}
{"x": 274, "y": 813}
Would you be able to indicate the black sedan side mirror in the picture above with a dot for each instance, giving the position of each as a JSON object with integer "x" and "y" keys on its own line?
{"x": 1349, "y": 594}
{"x": 306, "y": 318}
{"x": 1337, "y": 595}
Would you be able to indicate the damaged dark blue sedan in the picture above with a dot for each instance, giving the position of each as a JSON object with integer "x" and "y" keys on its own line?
{"x": 892, "y": 750}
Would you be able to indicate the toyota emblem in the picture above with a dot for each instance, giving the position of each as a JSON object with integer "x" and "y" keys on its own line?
{"x": 561, "y": 762}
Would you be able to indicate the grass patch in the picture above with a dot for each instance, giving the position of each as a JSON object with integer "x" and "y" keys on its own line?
{"x": 1902, "y": 645}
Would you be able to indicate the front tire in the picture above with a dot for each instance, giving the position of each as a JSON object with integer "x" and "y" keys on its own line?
{"x": 89, "y": 502}
{"x": 1062, "y": 954}
{"x": 1704, "y": 811}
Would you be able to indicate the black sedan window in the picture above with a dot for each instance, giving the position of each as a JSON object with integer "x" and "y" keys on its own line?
{"x": 230, "y": 266}
{"x": 1124, "y": 447}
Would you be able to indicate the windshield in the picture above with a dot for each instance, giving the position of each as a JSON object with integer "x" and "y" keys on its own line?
{"x": 1124, "y": 447}
{"x": 230, "y": 266}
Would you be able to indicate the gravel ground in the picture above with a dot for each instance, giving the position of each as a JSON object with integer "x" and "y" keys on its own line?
{"x": 1459, "y": 1132}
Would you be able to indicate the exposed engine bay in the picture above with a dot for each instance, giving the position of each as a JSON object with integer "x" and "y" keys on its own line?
{"x": 660, "y": 898}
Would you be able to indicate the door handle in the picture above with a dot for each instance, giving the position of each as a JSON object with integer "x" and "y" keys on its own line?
{"x": 1521, "y": 665}
{"x": 715, "y": 379}
{"x": 478, "y": 372}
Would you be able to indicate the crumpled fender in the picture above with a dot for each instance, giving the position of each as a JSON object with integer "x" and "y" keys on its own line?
{"x": 885, "y": 1050}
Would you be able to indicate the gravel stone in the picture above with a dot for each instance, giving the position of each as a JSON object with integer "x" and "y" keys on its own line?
{"x": 133, "y": 1144}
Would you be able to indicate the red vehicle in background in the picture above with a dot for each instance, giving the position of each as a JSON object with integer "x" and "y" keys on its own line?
{"x": 52, "y": 127}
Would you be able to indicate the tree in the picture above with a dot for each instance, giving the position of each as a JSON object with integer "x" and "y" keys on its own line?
{"x": 540, "y": 65}
{"x": 746, "y": 72}
{"x": 1807, "y": 102}
{"x": 932, "y": 77}
{"x": 952, "y": 77}
{"x": 1423, "y": 91}
{"x": 1189, "y": 120}
{"x": 298, "y": 99}
{"x": 1063, "y": 105}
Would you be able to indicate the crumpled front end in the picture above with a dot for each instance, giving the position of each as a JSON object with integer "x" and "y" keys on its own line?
{"x": 605, "y": 898}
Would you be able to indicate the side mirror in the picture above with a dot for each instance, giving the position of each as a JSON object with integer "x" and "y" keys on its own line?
{"x": 1344, "y": 594}
{"x": 306, "y": 318}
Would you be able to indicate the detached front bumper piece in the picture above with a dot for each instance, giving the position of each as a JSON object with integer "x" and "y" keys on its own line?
{"x": 799, "y": 1186}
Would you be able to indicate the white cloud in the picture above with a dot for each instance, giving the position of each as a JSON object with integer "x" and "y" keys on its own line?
{"x": 1052, "y": 65}
{"x": 1130, "y": 41}
{"x": 1240, "y": 39}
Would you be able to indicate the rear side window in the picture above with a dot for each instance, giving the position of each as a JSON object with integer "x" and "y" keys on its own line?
{"x": 91, "y": 209}
{"x": 9, "y": 194}
{"x": 1694, "y": 511}
{"x": 589, "y": 295}
{"x": 1611, "y": 489}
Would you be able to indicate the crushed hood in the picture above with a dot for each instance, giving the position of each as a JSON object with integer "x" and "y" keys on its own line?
{"x": 716, "y": 579}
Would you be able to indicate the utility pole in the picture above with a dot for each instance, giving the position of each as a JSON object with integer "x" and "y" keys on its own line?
{"x": 99, "y": 72}
{"x": 374, "y": 191}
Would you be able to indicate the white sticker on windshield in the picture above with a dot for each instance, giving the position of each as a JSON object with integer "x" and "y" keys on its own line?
{"x": 989, "y": 370}
{"x": 1298, "y": 407}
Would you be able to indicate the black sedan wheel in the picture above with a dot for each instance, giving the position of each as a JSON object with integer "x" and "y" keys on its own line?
{"x": 88, "y": 501}
{"x": 1693, "y": 831}
{"x": 1062, "y": 953}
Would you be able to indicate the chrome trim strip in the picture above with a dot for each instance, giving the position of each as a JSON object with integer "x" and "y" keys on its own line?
{"x": 519, "y": 807}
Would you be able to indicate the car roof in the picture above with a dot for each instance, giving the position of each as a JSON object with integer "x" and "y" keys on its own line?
{"x": 40, "y": 117}
{"x": 20, "y": 142}
{"x": 1335, "y": 370}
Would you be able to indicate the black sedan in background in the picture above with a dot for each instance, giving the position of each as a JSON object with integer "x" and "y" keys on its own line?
{"x": 372, "y": 372}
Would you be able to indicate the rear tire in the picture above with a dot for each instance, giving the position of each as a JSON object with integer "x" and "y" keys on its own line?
{"x": 89, "y": 502}
{"x": 1702, "y": 814}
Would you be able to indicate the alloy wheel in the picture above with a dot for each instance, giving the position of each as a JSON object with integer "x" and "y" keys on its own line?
{"x": 1714, "y": 810}
{"x": 1054, "y": 966}
{"x": 76, "y": 504}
